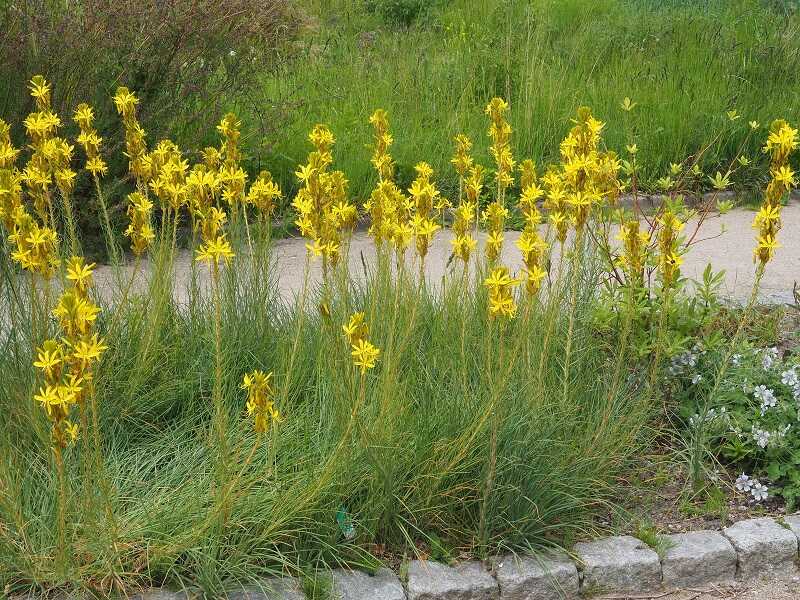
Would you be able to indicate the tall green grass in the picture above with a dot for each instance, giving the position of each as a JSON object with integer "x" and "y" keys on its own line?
{"x": 407, "y": 464}
{"x": 684, "y": 63}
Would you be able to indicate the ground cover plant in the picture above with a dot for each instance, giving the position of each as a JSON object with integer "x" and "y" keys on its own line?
{"x": 243, "y": 433}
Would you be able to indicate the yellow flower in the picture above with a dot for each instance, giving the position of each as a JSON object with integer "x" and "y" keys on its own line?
{"x": 40, "y": 91}
{"x": 356, "y": 329}
{"x": 84, "y": 115}
{"x": 463, "y": 246}
{"x": 767, "y": 244}
{"x": 533, "y": 279}
{"x": 364, "y": 355}
{"x": 96, "y": 166}
{"x": 501, "y": 296}
{"x": 71, "y": 431}
{"x": 79, "y": 273}
{"x": 125, "y": 101}
{"x": 49, "y": 398}
{"x": 260, "y": 403}
{"x": 49, "y": 359}
{"x": 89, "y": 349}
{"x": 215, "y": 249}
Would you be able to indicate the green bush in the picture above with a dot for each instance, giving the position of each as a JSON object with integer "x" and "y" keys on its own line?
{"x": 402, "y": 13}
{"x": 751, "y": 424}
{"x": 186, "y": 59}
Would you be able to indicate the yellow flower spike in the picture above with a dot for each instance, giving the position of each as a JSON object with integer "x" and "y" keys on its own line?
{"x": 125, "y": 101}
{"x": 501, "y": 286}
{"x": 767, "y": 244}
{"x": 365, "y": 355}
{"x": 214, "y": 250}
{"x": 84, "y": 116}
{"x": 260, "y": 400}
{"x": 355, "y": 329}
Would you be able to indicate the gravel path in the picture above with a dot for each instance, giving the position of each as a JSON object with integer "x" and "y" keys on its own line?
{"x": 724, "y": 241}
{"x": 766, "y": 591}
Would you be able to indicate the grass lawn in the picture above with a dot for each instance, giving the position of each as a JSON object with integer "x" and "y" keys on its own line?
{"x": 684, "y": 63}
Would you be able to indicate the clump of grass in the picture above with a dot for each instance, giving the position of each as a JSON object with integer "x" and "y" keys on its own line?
{"x": 651, "y": 535}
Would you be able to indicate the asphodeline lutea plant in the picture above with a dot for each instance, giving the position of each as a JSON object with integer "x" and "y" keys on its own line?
{"x": 364, "y": 354}
{"x": 35, "y": 246}
{"x": 68, "y": 364}
{"x": 530, "y": 242}
{"x": 381, "y": 159}
{"x": 50, "y": 153}
{"x": 496, "y": 212}
{"x": 139, "y": 165}
{"x": 261, "y": 400}
{"x": 781, "y": 142}
{"x": 670, "y": 248}
{"x": 556, "y": 203}
{"x": 633, "y": 258}
{"x": 232, "y": 177}
{"x": 215, "y": 247}
{"x": 463, "y": 241}
{"x": 323, "y": 210}
{"x": 10, "y": 178}
{"x": 462, "y": 161}
{"x": 581, "y": 166}
{"x": 263, "y": 196}
{"x": 168, "y": 182}
{"x": 140, "y": 229}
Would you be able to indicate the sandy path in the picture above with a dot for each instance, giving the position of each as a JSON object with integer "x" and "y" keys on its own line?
{"x": 726, "y": 242}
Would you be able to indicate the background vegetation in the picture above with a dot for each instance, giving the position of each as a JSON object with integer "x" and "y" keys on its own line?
{"x": 685, "y": 63}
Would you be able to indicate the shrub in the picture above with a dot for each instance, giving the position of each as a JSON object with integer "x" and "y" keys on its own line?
{"x": 187, "y": 59}
{"x": 402, "y": 13}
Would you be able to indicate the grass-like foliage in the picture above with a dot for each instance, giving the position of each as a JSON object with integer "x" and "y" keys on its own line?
{"x": 243, "y": 432}
{"x": 403, "y": 452}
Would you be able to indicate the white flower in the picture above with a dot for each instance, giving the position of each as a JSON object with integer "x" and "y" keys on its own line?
{"x": 696, "y": 378}
{"x": 766, "y": 396}
{"x": 761, "y": 437}
{"x": 743, "y": 483}
{"x": 789, "y": 377}
{"x": 232, "y": 53}
{"x": 736, "y": 360}
{"x": 762, "y": 392}
{"x": 770, "y": 354}
{"x": 759, "y": 491}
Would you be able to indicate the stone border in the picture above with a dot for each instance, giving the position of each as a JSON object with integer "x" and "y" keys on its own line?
{"x": 751, "y": 550}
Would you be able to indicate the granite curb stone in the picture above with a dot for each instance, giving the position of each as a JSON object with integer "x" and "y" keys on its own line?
{"x": 160, "y": 594}
{"x": 764, "y": 548}
{"x": 355, "y": 585}
{"x": 697, "y": 558}
{"x": 618, "y": 564}
{"x": 278, "y": 588}
{"x": 760, "y": 548}
{"x": 430, "y": 580}
{"x": 793, "y": 523}
{"x": 544, "y": 577}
